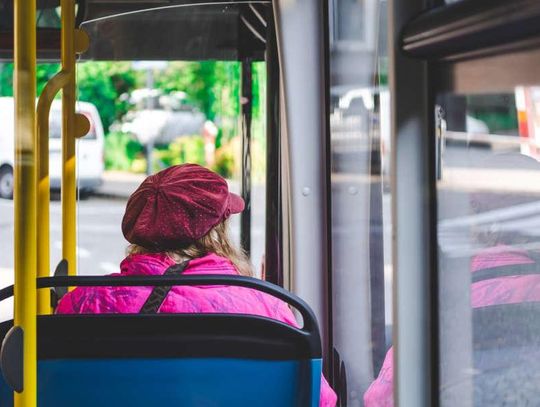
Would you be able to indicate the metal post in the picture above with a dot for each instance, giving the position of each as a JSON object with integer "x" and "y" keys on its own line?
{"x": 69, "y": 181}
{"x": 273, "y": 261}
{"x": 25, "y": 194}
{"x": 300, "y": 28}
{"x": 415, "y": 333}
{"x": 247, "y": 105}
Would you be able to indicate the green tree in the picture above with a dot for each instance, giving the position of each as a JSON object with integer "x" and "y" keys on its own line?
{"x": 6, "y": 79}
{"x": 103, "y": 84}
{"x": 212, "y": 86}
{"x": 44, "y": 72}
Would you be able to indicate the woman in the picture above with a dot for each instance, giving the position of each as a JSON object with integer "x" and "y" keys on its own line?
{"x": 180, "y": 215}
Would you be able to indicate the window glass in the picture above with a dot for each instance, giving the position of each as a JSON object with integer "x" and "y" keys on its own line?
{"x": 173, "y": 72}
{"x": 7, "y": 140}
{"x": 44, "y": 72}
{"x": 258, "y": 165}
{"x": 488, "y": 193}
{"x": 177, "y": 99}
{"x": 361, "y": 224}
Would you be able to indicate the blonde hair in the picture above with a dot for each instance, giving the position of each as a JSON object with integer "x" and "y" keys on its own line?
{"x": 216, "y": 241}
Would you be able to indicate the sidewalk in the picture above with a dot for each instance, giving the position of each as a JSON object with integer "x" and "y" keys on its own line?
{"x": 118, "y": 184}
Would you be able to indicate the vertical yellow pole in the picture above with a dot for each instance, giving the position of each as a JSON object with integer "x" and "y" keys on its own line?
{"x": 69, "y": 187}
{"x": 25, "y": 192}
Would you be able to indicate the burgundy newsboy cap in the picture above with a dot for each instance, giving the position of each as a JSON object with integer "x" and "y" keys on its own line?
{"x": 177, "y": 206}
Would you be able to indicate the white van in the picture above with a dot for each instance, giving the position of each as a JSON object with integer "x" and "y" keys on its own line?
{"x": 90, "y": 148}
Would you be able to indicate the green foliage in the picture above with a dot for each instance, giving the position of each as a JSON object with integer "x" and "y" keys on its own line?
{"x": 382, "y": 72}
{"x": 189, "y": 149}
{"x": 212, "y": 86}
{"x": 259, "y": 90}
{"x": 6, "y": 79}
{"x": 44, "y": 72}
{"x": 229, "y": 165}
{"x": 226, "y": 165}
{"x": 121, "y": 150}
{"x": 100, "y": 83}
{"x": 103, "y": 83}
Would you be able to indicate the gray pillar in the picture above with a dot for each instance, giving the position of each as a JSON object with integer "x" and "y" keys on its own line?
{"x": 414, "y": 213}
{"x": 300, "y": 29}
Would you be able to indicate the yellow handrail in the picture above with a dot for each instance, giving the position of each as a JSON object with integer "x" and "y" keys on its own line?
{"x": 69, "y": 186}
{"x": 25, "y": 193}
{"x": 78, "y": 126}
{"x": 45, "y": 100}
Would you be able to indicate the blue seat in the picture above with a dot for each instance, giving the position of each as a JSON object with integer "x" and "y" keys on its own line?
{"x": 176, "y": 359}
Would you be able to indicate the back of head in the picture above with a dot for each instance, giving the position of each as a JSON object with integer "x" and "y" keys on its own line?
{"x": 183, "y": 210}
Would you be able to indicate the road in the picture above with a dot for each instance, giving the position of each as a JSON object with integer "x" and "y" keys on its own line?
{"x": 100, "y": 240}
{"x": 101, "y": 245}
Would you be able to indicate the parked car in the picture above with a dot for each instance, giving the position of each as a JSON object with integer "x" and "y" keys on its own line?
{"x": 161, "y": 118}
{"x": 90, "y": 148}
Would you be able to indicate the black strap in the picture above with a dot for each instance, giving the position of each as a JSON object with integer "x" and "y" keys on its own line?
{"x": 506, "y": 271}
{"x": 159, "y": 293}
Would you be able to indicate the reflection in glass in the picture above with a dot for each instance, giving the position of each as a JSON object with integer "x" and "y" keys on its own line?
{"x": 489, "y": 207}
{"x": 349, "y": 20}
{"x": 360, "y": 147}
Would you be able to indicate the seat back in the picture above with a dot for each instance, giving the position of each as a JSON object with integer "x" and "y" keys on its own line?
{"x": 174, "y": 359}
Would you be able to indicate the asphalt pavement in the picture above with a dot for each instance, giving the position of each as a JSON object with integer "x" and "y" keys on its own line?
{"x": 101, "y": 245}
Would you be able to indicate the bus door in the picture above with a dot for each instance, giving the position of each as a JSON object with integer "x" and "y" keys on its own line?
{"x": 467, "y": 282}
{"x": 360, "y": 152}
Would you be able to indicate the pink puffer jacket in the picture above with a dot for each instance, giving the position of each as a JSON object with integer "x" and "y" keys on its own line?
{"x": 501, "y": 290}
{"x": 182, "y": 299}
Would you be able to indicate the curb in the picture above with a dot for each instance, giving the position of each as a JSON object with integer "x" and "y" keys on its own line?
{"x": 110, "y": 195}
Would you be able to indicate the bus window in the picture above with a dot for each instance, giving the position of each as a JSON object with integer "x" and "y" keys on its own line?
{"x": 176, "y": 89}
{"x": 360, "y": 195}
{"x": 489, "y": 285}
